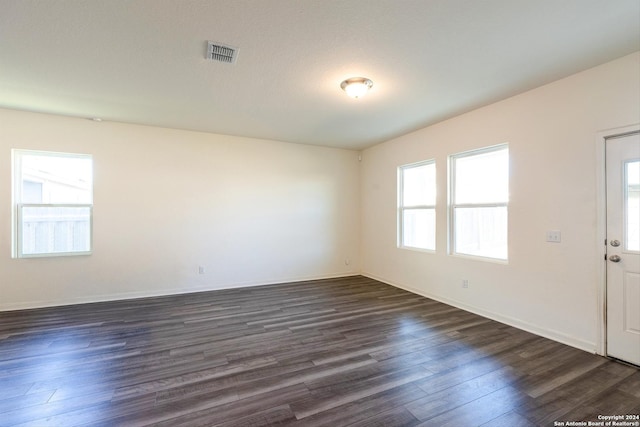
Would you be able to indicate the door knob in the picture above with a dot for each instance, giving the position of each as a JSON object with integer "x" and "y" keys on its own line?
{"x": 615, "y": 258}
{"x": 615, "y": 243}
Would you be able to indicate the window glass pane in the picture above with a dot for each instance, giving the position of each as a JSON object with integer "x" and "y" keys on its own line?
{"x": 419, "y": 226}
{"x": 481, "y": 231}
{"x": 482, "y": 178}
{"x": 31, "y": 192}
{"x": 55, "y": 230}
{"x": 53, "y": 178}
{"x": 53, "y": 198}
{"x": 419, "y": 185}
{"x": 632, "y": 225}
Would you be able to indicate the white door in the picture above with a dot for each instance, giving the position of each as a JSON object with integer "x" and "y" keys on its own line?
{"x": 623, "y": 247}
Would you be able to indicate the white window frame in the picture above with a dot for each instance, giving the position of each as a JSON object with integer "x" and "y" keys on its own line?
{"x": 402, "y": 207}
{"x": 453, "y": 206}
{"x": 18, "y": 207}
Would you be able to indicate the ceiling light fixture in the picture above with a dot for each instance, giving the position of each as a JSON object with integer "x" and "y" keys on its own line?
{"x": 356, "y": 87}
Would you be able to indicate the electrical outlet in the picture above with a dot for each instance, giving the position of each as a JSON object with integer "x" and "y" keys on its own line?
{"x": 201, "y": 269}
{"x": 465, "y": 283}
{"x": 554, "y": 236}
{"x": 347, "y": 261}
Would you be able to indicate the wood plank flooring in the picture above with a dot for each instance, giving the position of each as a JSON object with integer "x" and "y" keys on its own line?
{"x": 337, "y": 352}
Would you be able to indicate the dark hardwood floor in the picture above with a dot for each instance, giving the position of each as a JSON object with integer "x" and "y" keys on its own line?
{"x": 336, "y": 352}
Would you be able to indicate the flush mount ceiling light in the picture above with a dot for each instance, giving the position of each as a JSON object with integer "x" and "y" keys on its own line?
{"x": 356, "y": 87}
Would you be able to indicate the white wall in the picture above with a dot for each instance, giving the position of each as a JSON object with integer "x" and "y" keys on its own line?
{"x": 166, "y": 201}
{"x": 548, "y": 288}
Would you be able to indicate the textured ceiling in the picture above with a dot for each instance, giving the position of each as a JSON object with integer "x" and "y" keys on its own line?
{"x": 143, "y": 61}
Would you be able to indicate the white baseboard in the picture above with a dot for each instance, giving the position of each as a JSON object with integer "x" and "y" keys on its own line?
{"x": 554, "y": 335}
{"x": 158, "y": 293}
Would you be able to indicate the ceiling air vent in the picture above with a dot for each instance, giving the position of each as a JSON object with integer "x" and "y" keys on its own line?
{"x": 222, "y": 53}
